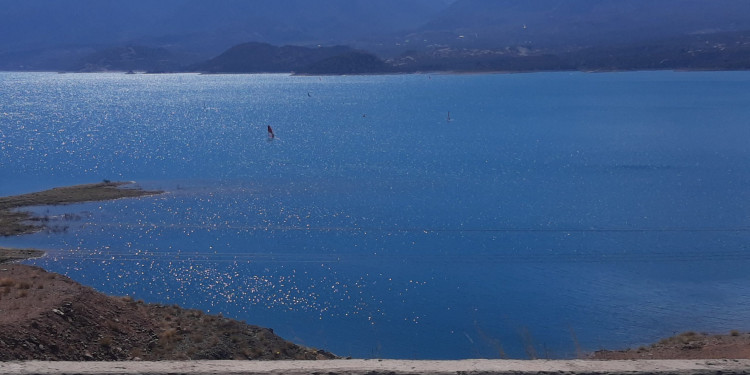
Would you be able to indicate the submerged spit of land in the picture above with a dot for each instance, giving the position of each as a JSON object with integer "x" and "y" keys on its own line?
{"x": 14, "y": 221}
{"x": 47, "y": 316}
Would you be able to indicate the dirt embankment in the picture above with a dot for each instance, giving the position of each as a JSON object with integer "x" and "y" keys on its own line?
{"x": 47, "y": 316}
{"x": 688, "y": 345}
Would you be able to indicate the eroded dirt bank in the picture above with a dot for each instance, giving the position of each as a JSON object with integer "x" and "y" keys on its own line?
{"x": 48, "y": 316}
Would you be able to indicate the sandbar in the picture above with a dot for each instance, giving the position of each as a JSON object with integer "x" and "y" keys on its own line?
{"x": 15, "y": 221}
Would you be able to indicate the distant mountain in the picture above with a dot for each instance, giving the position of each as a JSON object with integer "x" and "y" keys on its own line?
{"x": 411, "y": 35}
{"x": 354, "y": 62}
{"x": 715, "y": 51}
{"x": 265, "y": 58}
{"x": 574, "y": 24}
{"x": 531, "y": 35}
{"x": 128, "y": 58}
{"x": 44, "y": 34}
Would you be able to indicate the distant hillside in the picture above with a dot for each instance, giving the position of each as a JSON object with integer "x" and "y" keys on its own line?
{"x": 264, "y": 58}
{"x": 354, "y": 62}
{"x": 715, "y": 51}
{"x": 55, "y": 34}
{"x": 719, "y": 51}
{"x": 129, "y": 58}
{"x": 411, "y": 35}
{"x": 533, "y": 35}
{"x": 574, "y": 24}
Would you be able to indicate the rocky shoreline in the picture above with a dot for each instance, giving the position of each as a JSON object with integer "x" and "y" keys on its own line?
{"x": 48, "y": 316}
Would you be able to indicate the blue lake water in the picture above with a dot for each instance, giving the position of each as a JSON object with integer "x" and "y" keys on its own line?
{"x": 555, "y": 213}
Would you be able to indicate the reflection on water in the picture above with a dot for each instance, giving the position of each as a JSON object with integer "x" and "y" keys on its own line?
{"x": 554, "y": 213}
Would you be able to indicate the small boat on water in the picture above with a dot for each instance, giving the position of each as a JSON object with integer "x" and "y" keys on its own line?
{"x": 270, "y": 133}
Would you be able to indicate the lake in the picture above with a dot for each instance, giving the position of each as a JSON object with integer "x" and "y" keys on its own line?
{"x": 551, "y": 214}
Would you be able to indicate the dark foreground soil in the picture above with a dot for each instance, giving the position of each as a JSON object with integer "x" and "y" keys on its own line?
{"x": 688, "y": 345}
{"x": 47, "y": 316}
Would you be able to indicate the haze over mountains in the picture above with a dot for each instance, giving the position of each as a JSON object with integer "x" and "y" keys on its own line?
{"x": 46, "y": 33}
{"x": 409, "y": 35}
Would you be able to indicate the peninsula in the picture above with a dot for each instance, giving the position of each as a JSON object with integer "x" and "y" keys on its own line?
{"x": 14, "y": 222}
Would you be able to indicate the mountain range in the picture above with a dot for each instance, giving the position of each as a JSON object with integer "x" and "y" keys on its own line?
{"x": 337, "y": 36}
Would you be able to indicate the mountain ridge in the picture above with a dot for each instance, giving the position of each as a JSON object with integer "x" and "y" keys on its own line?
{"x": 411, "y": 35}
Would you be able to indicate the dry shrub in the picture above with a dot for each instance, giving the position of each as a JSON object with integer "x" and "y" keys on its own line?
{"x": 24, "y": 285}
{"x": 168, "y": 335}
{"x": 7, "y": 282}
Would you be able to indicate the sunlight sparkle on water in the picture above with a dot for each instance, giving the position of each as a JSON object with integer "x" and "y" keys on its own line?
{"x": 613, "y": 206}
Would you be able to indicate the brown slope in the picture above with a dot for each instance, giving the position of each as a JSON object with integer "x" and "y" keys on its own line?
{"x": 47, "y": 316}
{"x": 688, "y": 345}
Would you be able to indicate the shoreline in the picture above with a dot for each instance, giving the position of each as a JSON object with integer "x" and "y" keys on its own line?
{"x": 48, "y": 316}
{"x": 10, "y": 255}
{"x": 15, "y": 221}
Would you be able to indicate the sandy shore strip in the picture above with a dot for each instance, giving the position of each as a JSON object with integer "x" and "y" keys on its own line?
{"x": 15, "y": 221}
{"x": 390, "y": 367}
{"x": 9, "y": 255}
